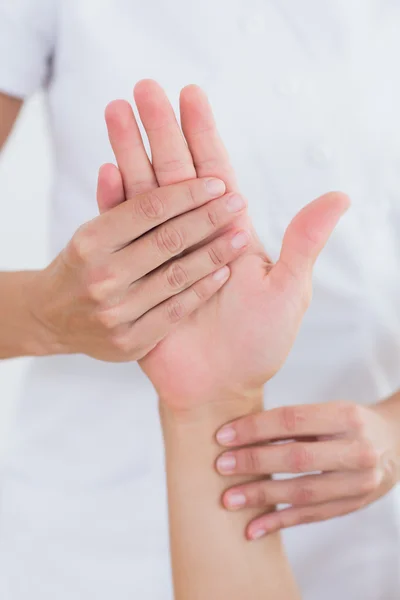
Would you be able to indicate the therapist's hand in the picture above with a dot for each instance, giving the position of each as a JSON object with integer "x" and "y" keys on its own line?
{"x": 240, "y": 338}
{"x": 355, "y": 451}
{"x": 119, "y": 286}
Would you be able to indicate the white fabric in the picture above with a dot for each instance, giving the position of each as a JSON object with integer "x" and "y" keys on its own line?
{"x": 306, "y": 95}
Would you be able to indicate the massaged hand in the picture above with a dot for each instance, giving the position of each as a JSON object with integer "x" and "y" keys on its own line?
{"x": 355, "y": 451}
{"x": 240, "y": 338}
{"x": 118, "y": 288}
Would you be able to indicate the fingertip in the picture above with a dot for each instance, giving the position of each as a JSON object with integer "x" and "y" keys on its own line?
{"x": 144, "y": 87}
{"x": 192, "y": 89}
{"x": 107, "y": 170}
{"x": 226, "y": 435}
{"x": 255, "y": 532}
{"x": 234, "y": 500}
{"x": 116, "y": 108}
{"x": 222, "y": 275}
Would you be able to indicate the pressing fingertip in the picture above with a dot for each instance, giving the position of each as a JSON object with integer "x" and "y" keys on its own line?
{"x": 234, "y": 500}
{"x": 256, "y": 533}
{"x": 226, "y": 436}
{"x": 222, "y": 274}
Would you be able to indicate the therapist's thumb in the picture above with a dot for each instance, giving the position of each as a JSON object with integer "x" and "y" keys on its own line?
{"x": 309, "y": 231}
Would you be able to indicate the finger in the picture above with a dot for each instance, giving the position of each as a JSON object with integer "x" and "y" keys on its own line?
{"x": 289, "y": 422}
{"x": 171, "y": 280}
{"x": 135, "y": 217}
{"x": 302, "y": 491}
{"x": 171, "y": 239}
{"x": 209, "y": 154}
{"x": 307, "y": 235}
{"x": 299, "y": 457}
{"x": 290, "y": 517}
{"x": 130, "y": 153}
{"x": 110, "y": 188}
{"x": 171, "y": 157}
{"x": 158, "y": 322}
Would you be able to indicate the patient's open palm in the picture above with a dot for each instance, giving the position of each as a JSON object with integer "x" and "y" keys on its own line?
{"x": 240, "y": 338}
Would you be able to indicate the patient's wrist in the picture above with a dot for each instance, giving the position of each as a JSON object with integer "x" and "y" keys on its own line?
{"x": 212, "y": 411}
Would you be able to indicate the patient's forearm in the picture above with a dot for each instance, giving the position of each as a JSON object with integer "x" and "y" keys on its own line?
{"x": 211, "y": 558}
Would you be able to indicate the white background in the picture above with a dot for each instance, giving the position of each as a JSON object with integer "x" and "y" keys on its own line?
{"x": 25, "y": 179}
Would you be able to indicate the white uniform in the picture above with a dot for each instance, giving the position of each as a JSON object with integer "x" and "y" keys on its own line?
{"x": 307, "y": 98}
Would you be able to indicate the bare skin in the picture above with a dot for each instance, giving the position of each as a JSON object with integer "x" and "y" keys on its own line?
{"x": 121, "y": 283}
{"x": 216, "y": 362}
{"x": 355, "y": 449}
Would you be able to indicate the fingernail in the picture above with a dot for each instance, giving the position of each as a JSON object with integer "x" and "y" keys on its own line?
{"x": 226, "y": 463}
{"x": 221, "y": 274}
{"x": 215, "y": 187}
{"x": 226, "y": 435}
{"x": 240, "y": 240}
{"x": 235, "y": 500}
{"x": 257, "y": 534}
{"x": 235, "y": 203}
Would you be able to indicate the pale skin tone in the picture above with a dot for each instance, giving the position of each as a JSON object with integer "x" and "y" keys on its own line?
{"x": 355, "y": 448}
{"x": 118, "y": 288}
{"x": 22, "y": 335}
{"x": 227, "y": 356}
{"x": 362, "y": 453}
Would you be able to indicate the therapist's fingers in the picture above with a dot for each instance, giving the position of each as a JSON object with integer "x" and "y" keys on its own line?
{"x": 171, "y": 158}
{"x": 290, "y": 422}
{"x": 293, "y": 516}
{"x": 299, "y": 457}
{"x": 208, "y": 151}
{"x": 302, "y": 491}
{"x": 117, "y": 228}
{"x": 110, "y": 188}
{"x": 155, "y": 325}
{"x": 173, "y": 278}
{"x": 130, "y": 153}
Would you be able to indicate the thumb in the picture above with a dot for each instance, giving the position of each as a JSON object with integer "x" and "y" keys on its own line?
{"x": 309, "y": 231}
{"x": 110, "y": 188}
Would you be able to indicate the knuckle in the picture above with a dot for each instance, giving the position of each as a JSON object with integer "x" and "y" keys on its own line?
{"x": 100, "y": 289}
{"x": 301, "y": 459}
{"x": 291, "y": 418}
{"x": 189, "y": 192}
{"x": 150, "y": 206}
{"x": 176, "y": 276}
{"x": 122, "y": 344}
{"x": 83, "y": 244}
{"x": 216, "y": 256}
{"x": 252, "y": 461}
{"x": 175, "y": 165}
{"x": 175, "y": 310}
{"x": 354, "y": 416}
{"x": 368, "y": 455}
{"x": 98, "y": 292}
{"x": 201, "y": 290}
{"x": 251, "y": 428}
{"x": 306, "y": 517}
{"x": 303, "y": 494}
{"x": 212, "y": 217}
{"x": 260, "y": 495}
{"x": 169, "y": 241}
{"x": 108, "y": 319}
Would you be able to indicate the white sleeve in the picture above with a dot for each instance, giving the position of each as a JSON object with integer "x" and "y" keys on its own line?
{"x": 27, "y": 32}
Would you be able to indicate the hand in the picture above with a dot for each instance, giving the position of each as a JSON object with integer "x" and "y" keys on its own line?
{"x": 117, "y": 288}
{"x": 355, "y": 449}
{"x": 224, "y": 349}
